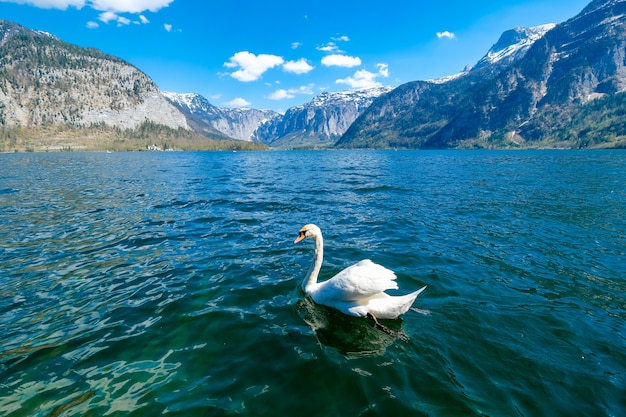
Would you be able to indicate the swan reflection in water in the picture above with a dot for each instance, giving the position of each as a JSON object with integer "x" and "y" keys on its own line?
{"x": 348, "y": 335}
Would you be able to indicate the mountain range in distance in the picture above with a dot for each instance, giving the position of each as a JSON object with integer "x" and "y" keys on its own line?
{"x": 316, "y": 124}
{"x": 555, "y": 85}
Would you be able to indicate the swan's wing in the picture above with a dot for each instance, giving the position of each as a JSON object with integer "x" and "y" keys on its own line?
{"x": 360, "y": 281}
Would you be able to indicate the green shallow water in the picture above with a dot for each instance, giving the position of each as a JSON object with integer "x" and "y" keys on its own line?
{"x": 168, "y": 283}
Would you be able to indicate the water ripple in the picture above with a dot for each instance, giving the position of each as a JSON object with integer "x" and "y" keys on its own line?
{"x": 169, "y": 283}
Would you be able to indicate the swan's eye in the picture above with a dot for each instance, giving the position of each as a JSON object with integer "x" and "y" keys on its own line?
{"x": 301, "y": 233}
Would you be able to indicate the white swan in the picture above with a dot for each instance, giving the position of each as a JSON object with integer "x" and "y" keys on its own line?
{"x": 357, "y": 290}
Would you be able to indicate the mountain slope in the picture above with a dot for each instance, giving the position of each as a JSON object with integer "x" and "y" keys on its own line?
{"x": 320, "y": 122}
{"x": 46, "y": 81}
{"x": 208, "y": 119}
{"x": 527, "y": 99}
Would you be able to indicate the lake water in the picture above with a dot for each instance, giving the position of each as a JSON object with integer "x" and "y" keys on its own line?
{"x": 168, "y": 283}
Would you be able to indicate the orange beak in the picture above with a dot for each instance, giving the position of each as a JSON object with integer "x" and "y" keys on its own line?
{"x": 301, "y": 235}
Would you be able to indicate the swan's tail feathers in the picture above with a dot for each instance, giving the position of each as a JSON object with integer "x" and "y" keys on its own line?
{"x": 391, "y": 307}
{"x": 418, "y": 292}
{"x": 410, "y": 299}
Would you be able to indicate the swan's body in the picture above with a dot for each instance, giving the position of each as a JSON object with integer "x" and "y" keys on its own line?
{"x": 358, "y": 290}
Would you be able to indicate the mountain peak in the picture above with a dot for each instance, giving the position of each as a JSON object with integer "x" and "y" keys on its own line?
{"x": 513, "y": 44}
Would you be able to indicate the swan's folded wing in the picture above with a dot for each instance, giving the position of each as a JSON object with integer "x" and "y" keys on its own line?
{"x": 363, "y": 280}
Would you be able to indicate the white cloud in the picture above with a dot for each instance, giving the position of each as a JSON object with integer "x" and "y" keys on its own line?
{"x": 282, "y": 94}
{"x": 329, "y": 47}
{"x": 298, "y": 67}
{"x": 383, "y": 70}
{"x": 341, "y": 39}
{"x": 92, "y": 25}
{"x": 167, "y": 27}
{"x": 117, "y": 6}
{"x": 445, "y": 34}
{"x": 122, "y": 21}
{"x": 366, "y": 79}
{"x": 251, "y": 66}
{"x": 106, "y": 17}
{"x": 361, "y": 79}
{"x": 50, "y": 4}
{"x": 296, "y": 45}
{"x": 143, "y": 19}
{"x": 238, "y": 102}
{"x": 341, "y": 61}
{"x": 129, "y": 6}
{"x": 306, "y": 89}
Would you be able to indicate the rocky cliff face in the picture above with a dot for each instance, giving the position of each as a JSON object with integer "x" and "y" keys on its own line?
{"x": 46, "y": 81}
{"x": 238, "y": 124}
{"x": 534, "y": 97}
{"x": 320, "y": 122}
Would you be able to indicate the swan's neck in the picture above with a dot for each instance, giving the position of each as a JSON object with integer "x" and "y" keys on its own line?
{"x": 310, "y": 282}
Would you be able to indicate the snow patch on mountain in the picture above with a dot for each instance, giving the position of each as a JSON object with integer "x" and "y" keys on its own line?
{"x": 512, "y": 45}
{"x": 236, "y": 123}
{"x": 447, "y": 78}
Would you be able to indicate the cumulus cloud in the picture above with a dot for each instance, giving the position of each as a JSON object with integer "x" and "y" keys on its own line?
{"x": 238, "y": 102}
{"x": 118, "y": 6}
{"x": 282, "y": 94}
{"x": 251, "y": 67}
{"x": 106, "y": 17}
{"x": 337, "y": 60}
{"x": 366, "y": 79}
{"x": 445, "y": 34}
{"x": 110, "y": 9}
{"x": 296, "y": 45}
{"x": 341, "y": 39}
{"x": 129, "y": 6}
{"x": 383, "y": 70}
{"x": 300, "y": 66}
{"x": 167, "y": 27}
{"x": 123, "y": 21}
{"x": 50, "y": 4}
{"x": 329, "y": 47}
{"x": 109, "y": 16}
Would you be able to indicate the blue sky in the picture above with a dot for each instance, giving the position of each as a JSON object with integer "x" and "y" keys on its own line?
{"x": 277, "y": 54}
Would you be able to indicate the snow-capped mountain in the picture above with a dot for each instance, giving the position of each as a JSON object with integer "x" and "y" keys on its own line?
{"x": 318, "y": 123}
{"x": 553, "y": 85}
{"x": 512, "y": 46}
{"x": 357, "y": 97}
{"x": 208, "y": 119}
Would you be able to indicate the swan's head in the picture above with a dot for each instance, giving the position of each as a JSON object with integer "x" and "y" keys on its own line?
{"x": 309, "y": 230}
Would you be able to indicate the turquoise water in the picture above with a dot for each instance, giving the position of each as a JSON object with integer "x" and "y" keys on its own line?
{"x": 168, "y": 283}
